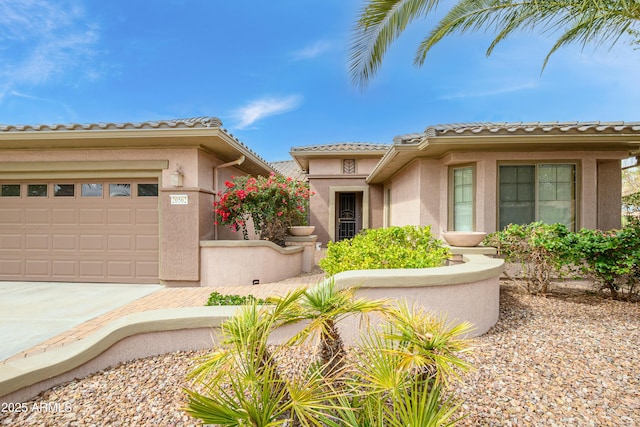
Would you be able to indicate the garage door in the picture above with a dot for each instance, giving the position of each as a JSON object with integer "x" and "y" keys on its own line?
{"x": 83, "y": 231}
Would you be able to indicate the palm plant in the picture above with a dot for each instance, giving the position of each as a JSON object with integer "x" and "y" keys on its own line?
{"x": 325, "y": 306}
{"x": 398, "y": 376}
{"x": 577, "y": 21}
{"x": 255, "y": 392}
{"x": 401, "y": 373}
{"x": 426, "y": 343}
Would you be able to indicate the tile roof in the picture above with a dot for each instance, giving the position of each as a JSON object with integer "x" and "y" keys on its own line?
{"x": 289, "y": 168}
{"x": 194, "y": 122}
{"x": 342, "y": 146}
{"x": 520, "y": 128}
{"x": 203, "y": 122}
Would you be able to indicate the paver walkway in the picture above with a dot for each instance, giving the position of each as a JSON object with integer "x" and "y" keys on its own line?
{"x": 169, "y": 298}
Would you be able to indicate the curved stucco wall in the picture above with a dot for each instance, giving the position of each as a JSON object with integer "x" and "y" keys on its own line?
{"x": 464, "y": 292}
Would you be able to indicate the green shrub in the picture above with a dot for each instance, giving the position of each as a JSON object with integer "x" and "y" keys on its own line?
{"x": 612, "y": 258}
{"x": 541, "y": 249}
{"x": 392, "y": 247}
{"x": 217, "y": 298}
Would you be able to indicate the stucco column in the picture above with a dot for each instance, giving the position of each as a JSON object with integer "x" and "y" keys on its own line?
{"x": 309, "y": 245}
{"x": 179, "y": 236}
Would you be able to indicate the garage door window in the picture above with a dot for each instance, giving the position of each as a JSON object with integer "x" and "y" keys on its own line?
{"x": 91, "y": 190}
{"x": 10, "y": 190}
{"x": 37, "y": 190}
{"x": 147, "y": 190}
{"x": 120, "y": 190}
{"x": 63, "y": 190}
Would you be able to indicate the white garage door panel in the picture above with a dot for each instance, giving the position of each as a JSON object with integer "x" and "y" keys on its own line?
{"x": 80, "y": 239}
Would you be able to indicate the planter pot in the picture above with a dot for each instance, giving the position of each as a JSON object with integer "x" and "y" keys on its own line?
{"x": 464, "y": 238}
{"x": 301, "y": 230}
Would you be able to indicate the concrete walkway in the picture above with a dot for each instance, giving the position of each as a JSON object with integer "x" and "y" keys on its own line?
{"x": 37, "y": 317}
{"x": 34, "y": 312}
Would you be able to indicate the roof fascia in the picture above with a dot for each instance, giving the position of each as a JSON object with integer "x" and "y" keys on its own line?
{"x": 214, "y": 140}
{"x": 437, "y": 147}
{"x": 302, "y": 157}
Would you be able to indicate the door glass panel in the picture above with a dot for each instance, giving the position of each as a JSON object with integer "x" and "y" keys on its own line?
{"x": 120, "y": 190}
{"x": 147, "y": 190}
{"x": 10, "y": 190}
{"x": 37, "y": 190}
{"x": 91, "y": 190}
{"x": 63, "y": 190}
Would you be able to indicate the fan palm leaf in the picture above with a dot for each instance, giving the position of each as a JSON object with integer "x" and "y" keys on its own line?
{"x": 576, "y": 21}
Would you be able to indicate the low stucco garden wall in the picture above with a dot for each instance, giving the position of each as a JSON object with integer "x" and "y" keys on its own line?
{"x": 464, "y": 292}
{"x": 467, "y": 291}
{"x": 240, "y": 262}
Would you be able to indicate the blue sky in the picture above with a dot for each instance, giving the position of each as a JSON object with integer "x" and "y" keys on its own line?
{"x": 275, "y": 72}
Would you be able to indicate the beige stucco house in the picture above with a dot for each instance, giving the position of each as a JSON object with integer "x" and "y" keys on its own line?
{"x": 114, "y": 202}
{"x": 476, "y": 176}
{"x": 132, "y": 202}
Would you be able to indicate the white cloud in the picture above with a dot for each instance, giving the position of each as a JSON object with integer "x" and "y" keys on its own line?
{"x": 264, "y": 107}
{"x": 489, "y": 91}
{"x": 312, "y": 51}
{"x": 41, "y": 40}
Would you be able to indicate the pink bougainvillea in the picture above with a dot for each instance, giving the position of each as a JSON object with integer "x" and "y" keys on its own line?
{"x": 273, "y": 203}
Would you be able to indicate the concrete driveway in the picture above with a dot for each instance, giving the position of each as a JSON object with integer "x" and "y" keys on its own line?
{"x": 32, "y": 312}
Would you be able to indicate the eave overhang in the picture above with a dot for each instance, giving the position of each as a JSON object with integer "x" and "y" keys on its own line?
{"x": 302, "y": 156}
{"x": 436, "y": 147}
{"x": 211, "y": 139}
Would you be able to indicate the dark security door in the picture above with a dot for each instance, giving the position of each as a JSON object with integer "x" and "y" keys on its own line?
{"x": 347, "y": 216}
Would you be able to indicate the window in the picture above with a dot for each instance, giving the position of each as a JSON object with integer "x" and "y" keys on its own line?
{"x": 120, "y": 190}
{"x": 63, "y": 190}
{"x": 462, "y": 198}
{"x": 147, "y": 190}
{"x": 91, "y": 190}
{"x": 537, "y": 192}
{"x": 37, "y": 190}
{"x": 10, "y": 190}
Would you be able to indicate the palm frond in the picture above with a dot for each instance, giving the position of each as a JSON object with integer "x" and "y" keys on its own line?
{"x": 603, "y": 22}
{"x": 380, "y": 23}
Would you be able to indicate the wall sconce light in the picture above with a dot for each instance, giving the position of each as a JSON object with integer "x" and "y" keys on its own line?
{"x": 176, "y": 177}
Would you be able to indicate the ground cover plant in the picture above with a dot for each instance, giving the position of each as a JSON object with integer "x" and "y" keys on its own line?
{"x": 217, "y": 299}
{"x": 391, "y": 247}
{"x": 400, "y": 375}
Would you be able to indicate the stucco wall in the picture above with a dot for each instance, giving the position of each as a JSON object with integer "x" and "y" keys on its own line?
{"x": 365, "y": 166}
{"x": 598, "y": 187}
{"x": 406, "y": 196}
{"x": 609, "y": 194}
{"x": 233, "y": 263}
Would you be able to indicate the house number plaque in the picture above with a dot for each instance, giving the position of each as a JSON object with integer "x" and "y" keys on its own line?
{"x": 179, "y": 199}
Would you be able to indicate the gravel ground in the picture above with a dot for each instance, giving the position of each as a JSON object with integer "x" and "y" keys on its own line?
{"x": 570, "y": 359}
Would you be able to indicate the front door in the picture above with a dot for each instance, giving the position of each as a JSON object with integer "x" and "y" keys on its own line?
{"x": 349, "y": 215}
